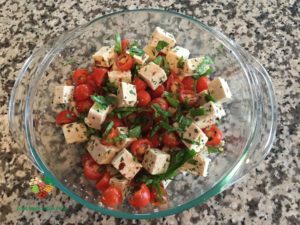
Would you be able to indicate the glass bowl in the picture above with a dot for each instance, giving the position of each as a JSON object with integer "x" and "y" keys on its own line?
{"x": 249, "y": 127}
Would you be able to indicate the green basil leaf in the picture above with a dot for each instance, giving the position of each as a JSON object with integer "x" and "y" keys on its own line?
{"x": 135, "y": 132}
{"x": 180, "y": 63}
{"x": 118, "y": 45}
{"x": 204, "y": 68}
{"x": 161, "y": 45}
{"x": 159, "y": 111}
{"x": 197, "y": 112}
{"x": 100, "y": 101}
{"x": 135, "y": 50}
{"x": 209, "y": 97}
{"x": 110, "y": 88}
{"x": 158, "y": 60}
{"x": 135, "y": 69}
{"x": 108, "y": 128}
{"x": 184, "y": 122}
{"x": 154, "y": 130}
{"x": 171, "y": 100}
{"x": 211, "y": 149}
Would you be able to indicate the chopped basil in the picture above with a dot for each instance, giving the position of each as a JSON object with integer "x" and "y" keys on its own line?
{"x": 90, "y": 131}
{"x": 110, "y": 88}
{"x": 118, "y": 45}
{"x": 197, "y": 112}
{"x": 209, "y": 98}
{"x": 167, "y": 126}
{"x": 180, "y": 63}
{"x": 125, "y": 111}
{"x": 211, "y": 149}
{"x": 158, "y": 60}
{"x": 135, "y": 50}
{"x": 135, "y": 69}
{"x": 119, "y": 138}
{"x": 159, "y": 111}
{"x": 163, "y": 63}
{"x": 204, "y": 68}
{"x": 161, "y": 45}
{"x": 184, "y": 122}
{"x": 104, "y": 102}
{"x": 171, "y": 99}
{"x": 135, "y": 132}
{"x": 154, "y": 130}
{"x": 108, "y": 128}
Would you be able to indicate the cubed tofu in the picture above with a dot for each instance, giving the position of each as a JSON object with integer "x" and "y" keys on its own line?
{"x": 156, "y": 161}
{"x": 63, "y": 94}
{"x": 127, "y": 141}
{"x": 193, "y": 137}
{"x": 116, "y": 77}
{"x": 153, "y": 75}
{"x": 140, "y": 59}
{"x": 127, "y": 95}
{"x": 197, "y": 166}
{"x": 213, "y": 112}
{"x": 150, "y": 51}
{"x": 191, "y": 65}
{"x": 126, "y": 164}
{"x": 174, "y": 55}
{"x": 202, "y": 97}
{"x": 161, "y": 35}
{"x": 121, "y": 183}
{"x": 219, "y": 89}
{"x": 105, "y": 56}
{"x": 96, "y": 116}
{"x": 74, "y": 132}
{"x": 102, "y": 154}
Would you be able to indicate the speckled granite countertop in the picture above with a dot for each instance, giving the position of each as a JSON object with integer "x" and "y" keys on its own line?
{"x": 269, "y": 30}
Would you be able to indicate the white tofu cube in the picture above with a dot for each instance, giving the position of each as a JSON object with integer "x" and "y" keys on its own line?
{"x": 116, "y": 77}
{"x": 127, "y": 141}
{"x": 197, "y": 166}
{"x": 174, "y": 55}
{"x": 105, "y": 56}
{"x": 74, "y": 132}
{"x": 193, "y": 137}
{"x": 102, "y": 154}
{"x": 213, "y": 112}
{"x": 121, "y": 183}
{"x": 219, "y": 89}
{"x": 127, "y": 95}
{"x": 150, "y": 51}
{"x": 153, "y": 75}
{"x": 63, "y": 94}
{"x": 161, "y": 35}
{"x": 96, "y": 116}
{"x": 202, "y": 97}
{"x": 156, "y": 161}
{"x": 126, "y": 164}
{"x": 191, "y": 65}
{"x": 140, "y": 59}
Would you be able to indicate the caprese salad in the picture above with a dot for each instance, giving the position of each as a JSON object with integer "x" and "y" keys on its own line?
{"x": 145, "y": 115}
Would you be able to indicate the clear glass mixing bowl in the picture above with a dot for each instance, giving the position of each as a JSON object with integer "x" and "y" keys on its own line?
{"x": 249, "y": 127}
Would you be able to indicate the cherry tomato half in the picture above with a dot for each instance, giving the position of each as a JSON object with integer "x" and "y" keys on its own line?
{"x": 112, "y": 134}
{"x": 139, "y": 84}
{"x": 155, "y": 142}
{"x": 214, "y": 135}
{"x": 143, "y": 97}
{"x": 98, "y": 76}
{"x": 174, "y": 84}
{"x": 161, "y": 102}
{"x": 124, "y": 44}
{"x": 188, "y": 83}
{"x": 84, "y": 106}
{"x": 202, "y": 84}
{"x": 112, "y": 197}
{"x": 171, "y": 139}
{"x": 82, "y": 92}
{"x": 80, "y": 76}
{"x": 157, "y": 92}
{"x": 65, "y": 117}
{"x": 140, "y": 198}
{"x": 91, "y": 170}
{"x": 103, "y": 183}
{"x": 139, "y": 147}
{"x": 188, "y": 97}
{"x": 157, "y": 200}
{"x": 124, "y": 62}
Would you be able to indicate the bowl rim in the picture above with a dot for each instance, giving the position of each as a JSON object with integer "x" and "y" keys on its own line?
{"x": 218, "y": 187}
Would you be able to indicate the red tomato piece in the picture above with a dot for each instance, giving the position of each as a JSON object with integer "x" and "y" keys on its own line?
{"x": 161, "y": 102}
{"x": 82, "y": 92}
{"x": 65, "y": 117}
{"x": 84, "y": 106}
{"x": 139, "y": 84}
{"x": 112, "y": 197}
{"x": 158, "y": 91}
{"x": 139, "y": 147}
{"x": 112, "y": 134}
{"x": 188, "y": 83}
{"x": 155, "y": 199}
{"x": 124, "y": 62}
{"x": 80, "y": 76}
{"x": 188, "y": 97}
{"x": 171, "y": 139}
{"x": 98, "y": 76}
{"x": 103, "y": 183}
{"x": 214, "y": 135}
{"x": 116, "y": 120}
{"x": 140, "y": 198}
{"x": 202, "y": 84}
{"x": 143, "y": 98}
{"x": 124, "y": 44}
{"x": 91, "y": 170}
{"x": 174, "y": 84}
{"x": 155, "y": 142}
